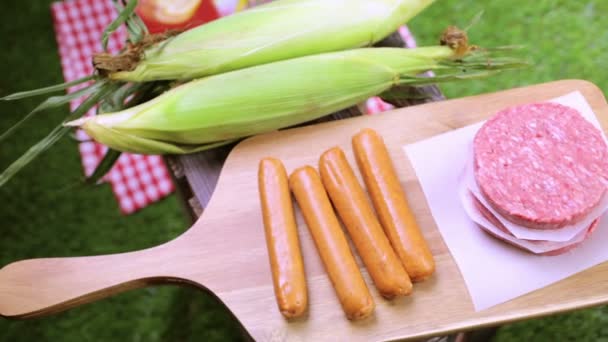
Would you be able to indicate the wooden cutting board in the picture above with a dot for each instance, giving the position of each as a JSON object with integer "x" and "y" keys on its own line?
{"x": 225, "y": 252}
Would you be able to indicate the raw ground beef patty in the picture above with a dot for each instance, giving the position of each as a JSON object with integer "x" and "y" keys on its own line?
{"x": 541, "y": 166}
{"x": 550, "y": 251}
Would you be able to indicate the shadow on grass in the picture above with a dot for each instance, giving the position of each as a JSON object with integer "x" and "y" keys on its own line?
{"x": 157, "y": 313}
{"x": 196, "y": 314}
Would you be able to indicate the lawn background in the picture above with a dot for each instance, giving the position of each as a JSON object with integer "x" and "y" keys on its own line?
{"x": 40, "y": 218}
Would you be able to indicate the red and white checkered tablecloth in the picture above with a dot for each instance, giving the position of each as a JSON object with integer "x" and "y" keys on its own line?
{"x": 136, "y": 180}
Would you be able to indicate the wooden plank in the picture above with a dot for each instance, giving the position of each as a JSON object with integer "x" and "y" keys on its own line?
{"x": 225, "y": 252}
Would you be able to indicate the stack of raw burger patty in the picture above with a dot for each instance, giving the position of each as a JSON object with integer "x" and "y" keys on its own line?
{"x": 540, "y": 177}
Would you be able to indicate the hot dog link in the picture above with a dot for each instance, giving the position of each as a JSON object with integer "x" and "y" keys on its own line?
{"x": 286, "y": 262}
{"x": 356, "y": 212}
{"x": 331, "y": 243}
{"x": 391, "y": 204}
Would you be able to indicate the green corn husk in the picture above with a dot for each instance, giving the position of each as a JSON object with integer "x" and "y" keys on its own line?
{"x": 210, "y": 111}
{"x": 275, "y": 31}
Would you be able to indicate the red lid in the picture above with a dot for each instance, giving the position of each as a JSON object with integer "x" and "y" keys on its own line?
{"x": 162, "y": 15}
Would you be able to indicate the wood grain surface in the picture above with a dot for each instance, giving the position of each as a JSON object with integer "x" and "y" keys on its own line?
{"x": 225, "y": 252}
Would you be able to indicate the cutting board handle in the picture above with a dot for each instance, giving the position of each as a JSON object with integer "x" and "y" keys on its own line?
{"x": 39, "y": 287}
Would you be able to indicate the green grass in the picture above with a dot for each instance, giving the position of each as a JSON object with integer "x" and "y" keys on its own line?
{"x": 566, "y": 39}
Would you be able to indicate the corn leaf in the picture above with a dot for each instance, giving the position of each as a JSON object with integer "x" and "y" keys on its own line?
{"x": 55, "y": 134}
{"x": 117, "y": 100}
{"x": 46, "y": 90}
{"x": 52, "y": 102}
{"x": 476, "y": 19}
{"x": 136, "y": 29}
{"x": 135, "y": 32}
{"x": 136, "y": 144}
{"x": 123, "y": 16}
{"x": 457, "y": 76}
{"x": 104, "y": 166}
{"x": 114, "y": 103}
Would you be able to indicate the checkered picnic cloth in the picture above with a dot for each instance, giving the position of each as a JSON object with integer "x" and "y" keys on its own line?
{"x": 136, "y": 180}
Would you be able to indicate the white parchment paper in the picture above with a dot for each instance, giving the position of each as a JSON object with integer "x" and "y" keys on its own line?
{"x": 494, "y": 272}
{"x": 562, "y": 237}
{"x": 538, "y": 247}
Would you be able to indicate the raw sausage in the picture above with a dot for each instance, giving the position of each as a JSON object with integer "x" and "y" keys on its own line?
{"x": 331, "y": 243}
{"x": 353, "y": 207}
{"x": 391, "y": 204}
{"x": 286, "y": 262}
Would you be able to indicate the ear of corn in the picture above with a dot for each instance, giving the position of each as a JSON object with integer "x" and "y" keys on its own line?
{"x": 268, "y": 97}
{"x": 122, "y": 141}
{"x": 275, "y": 31}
